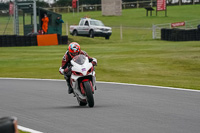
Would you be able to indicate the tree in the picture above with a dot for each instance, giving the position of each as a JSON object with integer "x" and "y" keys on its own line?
{"x": 81, "y": 2}
{"x": 40, "y": 3}
{"x": 4, "y": 6}
{"x": 89, "y": 2}
{"x": 63, "y": 3}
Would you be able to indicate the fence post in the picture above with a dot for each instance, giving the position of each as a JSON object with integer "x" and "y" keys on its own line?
{"x": 185, "y": 24}
{"x": 68, "y": 9}
{"x": 67, "y": 28}
{"x": 179, "y": 2}
{"x": 121, "y": 35}
{"x": 77, "y": 6}
{"x": 138, "y": 4}
{"x": 95, "y": 7}
{"x": 124, "y": 6}
{"x": 81, "y": 8}
{"x": 154, "y": 31}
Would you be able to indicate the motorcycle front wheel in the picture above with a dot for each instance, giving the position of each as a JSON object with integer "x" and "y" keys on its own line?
{"x": 89, "y": 94}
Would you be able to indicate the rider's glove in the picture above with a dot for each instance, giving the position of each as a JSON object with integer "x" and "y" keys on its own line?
{"x": 94, "y": 62}
{"x": 66, "y": 70}
{"x": 61, "y": 70}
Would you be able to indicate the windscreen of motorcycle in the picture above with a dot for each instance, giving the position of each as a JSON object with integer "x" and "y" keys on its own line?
{"x": 79, "y": 59}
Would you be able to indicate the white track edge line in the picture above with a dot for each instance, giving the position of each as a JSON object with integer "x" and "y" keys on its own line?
{"x": 27, "y": 129}
{"x": 151, "y": 86}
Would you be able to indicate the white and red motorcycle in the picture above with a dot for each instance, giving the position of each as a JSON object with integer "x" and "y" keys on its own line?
{"x": 83, "y": 80}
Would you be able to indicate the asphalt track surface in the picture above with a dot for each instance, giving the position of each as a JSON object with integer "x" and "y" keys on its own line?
{"x": 45, "y": 106}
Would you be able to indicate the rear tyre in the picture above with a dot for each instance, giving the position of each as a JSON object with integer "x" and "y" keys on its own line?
{"x": 81, "y": 103}
{"x": 89, "y": 94}
{"x": 91, "y": 34}
{"x": 107, "y": 37}
{"x": 75, "y": 33}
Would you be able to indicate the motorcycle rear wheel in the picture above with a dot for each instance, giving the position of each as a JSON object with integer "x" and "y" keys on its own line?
{"x": 89, "y": 94}
{"x": 81, "y": 103}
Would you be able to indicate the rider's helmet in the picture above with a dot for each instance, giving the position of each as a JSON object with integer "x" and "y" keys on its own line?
{"x": 74, "y": 49}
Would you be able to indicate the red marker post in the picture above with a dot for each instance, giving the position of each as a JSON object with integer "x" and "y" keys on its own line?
{"x": 11, "y": 8}
{"x": 161, "y": 6}
{"x": 74, "y": 3}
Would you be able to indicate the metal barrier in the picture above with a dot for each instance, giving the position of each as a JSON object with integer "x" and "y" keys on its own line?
{"x": 32, "y": 40}
{"x": 156, "y": 29}
{"x": 180, "y": 34}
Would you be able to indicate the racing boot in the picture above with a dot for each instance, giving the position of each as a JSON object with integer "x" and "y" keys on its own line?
{"x": 70, "y": 89}
{"x": 95, "y": 87}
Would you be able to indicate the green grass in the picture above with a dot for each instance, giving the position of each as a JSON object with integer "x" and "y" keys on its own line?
{"x": 23, "y": 131}
{"x": 137, "y": 17}
{"x": 136, "y": 59}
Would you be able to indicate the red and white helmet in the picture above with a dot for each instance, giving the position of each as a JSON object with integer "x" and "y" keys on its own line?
{"x": 74, "y": 49}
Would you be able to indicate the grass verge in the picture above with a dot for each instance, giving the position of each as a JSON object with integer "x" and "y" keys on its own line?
{"x": 136, "y": 59}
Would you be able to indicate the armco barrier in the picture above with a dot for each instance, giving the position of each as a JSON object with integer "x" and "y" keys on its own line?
{"x": 198, "y": 35}
{"x": 62, "y": 39}
{"x": 180, "y": 34}
{"x": 15, "y": 41}
{"x": 59, "y": 39}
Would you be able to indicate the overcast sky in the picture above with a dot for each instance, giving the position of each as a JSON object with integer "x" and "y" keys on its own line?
{"x": 50, "y": 1}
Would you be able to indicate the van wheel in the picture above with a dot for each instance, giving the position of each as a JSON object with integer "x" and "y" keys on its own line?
{"x": 107, "y": 37}
{"x": 91, "y": 34}
{"x": 75, "y": 33}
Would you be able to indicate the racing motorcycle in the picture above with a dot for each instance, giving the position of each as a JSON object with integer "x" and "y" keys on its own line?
{"x": 83, "y": 80}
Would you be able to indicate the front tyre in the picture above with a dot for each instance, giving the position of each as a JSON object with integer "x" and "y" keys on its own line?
{"x": 89, "y": 94}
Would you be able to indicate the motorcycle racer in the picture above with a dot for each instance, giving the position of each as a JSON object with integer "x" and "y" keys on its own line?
{"x": 73, "y": 50}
